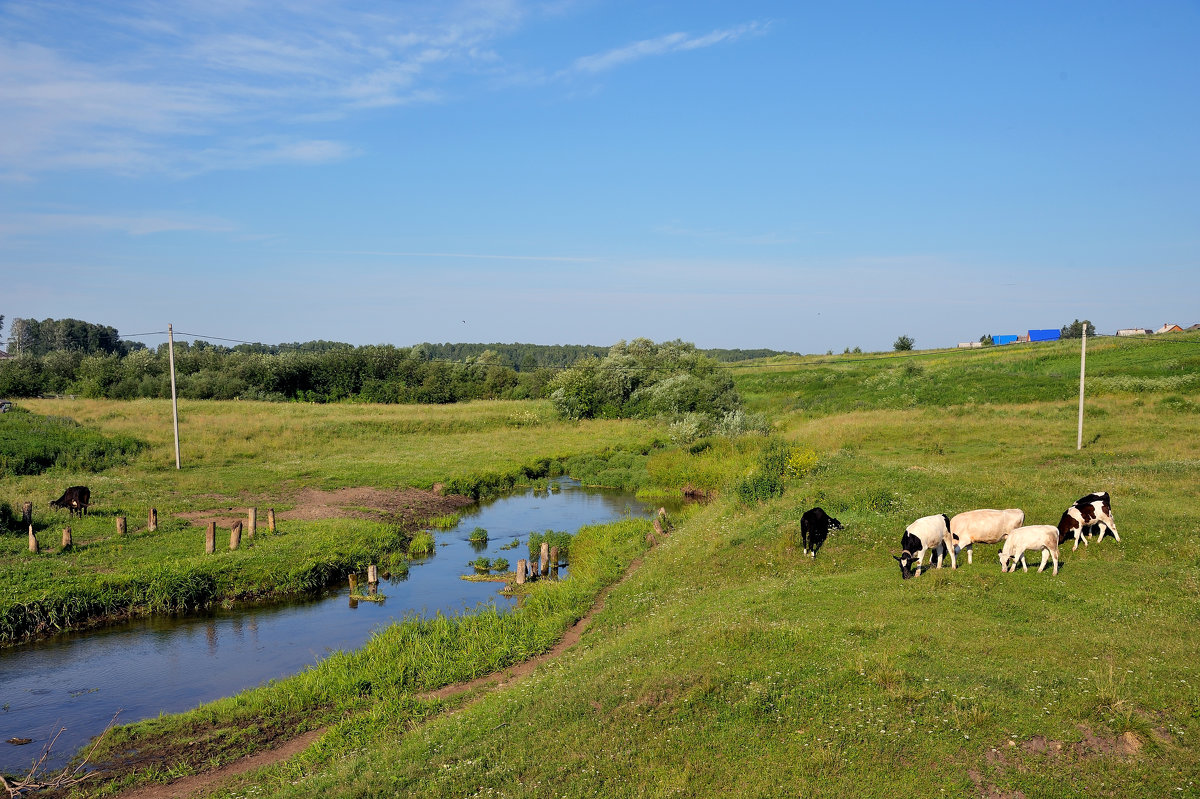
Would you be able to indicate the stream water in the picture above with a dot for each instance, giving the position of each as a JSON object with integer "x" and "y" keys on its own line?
{"x": 78, "y": 681}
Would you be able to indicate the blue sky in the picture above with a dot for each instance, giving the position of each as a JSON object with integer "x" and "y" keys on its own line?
{"x": 800, "y": 176}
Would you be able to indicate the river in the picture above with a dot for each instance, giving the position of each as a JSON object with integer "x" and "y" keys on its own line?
{"x": 78, "y": 681}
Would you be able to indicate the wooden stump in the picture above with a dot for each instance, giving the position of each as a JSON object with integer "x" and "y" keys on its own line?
{"x": 210, "y": 539}
{"x": 271, "y": 519}
{"x": 372, "y": 574}
{"x": 33, "y": 544}
{"x": 544, "y": 559}
{"x": 353, "y": 583}
{"x": 152, "y": 520}
{"x": 522, "y": 565}
{"x": 27, "y": 514}
{"x": 554, "y": 561}
{"x": 120, "y": 525}
{"x": 235, "y": 535}
{"x": 66, "y": 539}
{"x": 658, "y": 527}
{"x": 251, "y": 522}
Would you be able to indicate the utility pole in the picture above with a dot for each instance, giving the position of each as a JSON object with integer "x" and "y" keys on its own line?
{"x": 1082, "y": 365}
{"x": 175, "y": 401}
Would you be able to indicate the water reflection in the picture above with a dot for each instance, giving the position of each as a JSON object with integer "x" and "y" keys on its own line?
{"x": 168, "y": 665}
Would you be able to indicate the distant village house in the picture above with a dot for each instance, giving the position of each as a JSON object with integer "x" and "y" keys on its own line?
{"x": 1169, "y": 328}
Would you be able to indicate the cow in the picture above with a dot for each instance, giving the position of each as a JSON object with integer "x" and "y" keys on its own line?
{"x": 75, "y": 499}
{"x": 926, "y": 533}
{"x": 815, "y": 525}
{"x": 984, "y": 526}
{"x": 1094, "y": 510}
{"x": 1043, "y": 537}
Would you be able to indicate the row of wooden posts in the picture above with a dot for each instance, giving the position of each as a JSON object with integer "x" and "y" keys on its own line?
{"x": 210, "y": 539}
{"x": 235, "y": 532}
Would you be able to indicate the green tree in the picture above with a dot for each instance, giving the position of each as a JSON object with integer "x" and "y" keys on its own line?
{"x": 903, "y": 344}
{"x": 1075, "y": 329}
{"x": 986, "y": 340}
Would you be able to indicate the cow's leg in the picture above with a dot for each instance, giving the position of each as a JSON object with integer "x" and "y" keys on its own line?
{"x": 970, "y": 551}
{"x": 1045, "y": 557}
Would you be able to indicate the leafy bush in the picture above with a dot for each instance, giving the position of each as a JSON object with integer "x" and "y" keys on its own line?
{"x": 479, "y": 535}
{"x": 644, "y": 379}
{"x": 500, "y": 564}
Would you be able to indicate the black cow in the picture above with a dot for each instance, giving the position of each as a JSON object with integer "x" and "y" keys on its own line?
{"x": 75, "y": 499}
{"x": 815, "y": 525}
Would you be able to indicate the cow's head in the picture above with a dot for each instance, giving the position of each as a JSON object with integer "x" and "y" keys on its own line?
{"x": 1007, "y": 560}
{"x": 834, "y": 524}
{"x": 906, "y": 561}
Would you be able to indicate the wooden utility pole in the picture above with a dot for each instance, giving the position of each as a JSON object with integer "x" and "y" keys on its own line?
{"x": 174, "y": 399}
{"x": 1082, "y": 365}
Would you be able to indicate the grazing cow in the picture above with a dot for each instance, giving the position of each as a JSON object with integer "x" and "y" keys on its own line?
{"x": 1035, "y": 536}
{"x": 75, "y": 499}
{"x": 815, "y": 525}
{"x": 983, "y": 526}
{"x": 1094, "y": 510}
{"x": 926, "y": 533}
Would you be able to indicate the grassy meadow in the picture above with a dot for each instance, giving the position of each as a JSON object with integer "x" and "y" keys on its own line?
{"x": 729, "y": 663}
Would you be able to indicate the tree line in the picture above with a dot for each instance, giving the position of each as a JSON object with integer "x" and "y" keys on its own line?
{"x": 69, "y": 356}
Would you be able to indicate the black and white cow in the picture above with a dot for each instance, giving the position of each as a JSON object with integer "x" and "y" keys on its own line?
{"x": 926, "y": 533}
{"x": 1094, "y": 510}
{"x": 75, "y": 499}
{"x": 815, "y": 525}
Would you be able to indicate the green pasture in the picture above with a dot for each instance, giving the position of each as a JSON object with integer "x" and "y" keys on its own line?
{"x": 729, "y": 663}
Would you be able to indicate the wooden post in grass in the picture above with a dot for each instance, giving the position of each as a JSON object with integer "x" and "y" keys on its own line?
{"x": 522, "y": 565}
{"x": 271, "y": 519}
{"x": 210, "y": 539}
{"x": 120, "y": 525}
{"x": 251, "y": 522}
{"x": 554, "y": 561}
{"x": 544, "y": 559}
{"x": 658, "y": 528}
{"x": 235, "y": 535}
{"x": 33, "y": 544}
{"x": 353, "y": 583}
{"x": 66, "y": 539}
{"x": 27, "y": 514}
{"x": 152, "y": 520}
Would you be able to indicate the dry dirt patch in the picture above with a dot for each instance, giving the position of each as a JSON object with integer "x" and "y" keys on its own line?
{"x": 405, "y": 506}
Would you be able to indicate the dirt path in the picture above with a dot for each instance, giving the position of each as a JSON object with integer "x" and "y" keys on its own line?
{"x": 199, "y": 783}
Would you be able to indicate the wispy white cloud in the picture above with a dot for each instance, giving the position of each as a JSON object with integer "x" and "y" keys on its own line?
{"x": 195, "y": 86}
{"x": 199, "y": 85}
{"x": 662, "y": 45}
{"x": 42, "y": 224}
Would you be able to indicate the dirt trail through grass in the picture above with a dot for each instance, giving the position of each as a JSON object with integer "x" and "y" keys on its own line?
{"x": 206, "y": 781}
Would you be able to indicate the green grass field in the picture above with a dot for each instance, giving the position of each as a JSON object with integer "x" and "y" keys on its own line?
{"x": 729, "y": 663}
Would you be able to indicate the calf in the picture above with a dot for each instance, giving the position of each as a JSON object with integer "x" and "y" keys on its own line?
{"x": 75, "y": 499}
{"x": 1094, "y": 510}
{"x": 1035, "y": 536}
{"x": 928, "y": 532}
{"x": 815, "y": 525}
{"x": 983, "y": 526}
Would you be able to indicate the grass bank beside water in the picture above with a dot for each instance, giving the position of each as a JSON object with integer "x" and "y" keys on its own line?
{"x": 374, "y": 690}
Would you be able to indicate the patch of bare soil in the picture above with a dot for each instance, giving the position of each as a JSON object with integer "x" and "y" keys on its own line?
{"x": 408, "y": 507}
